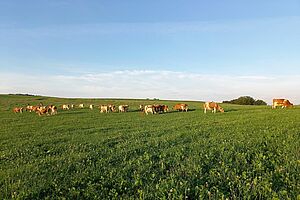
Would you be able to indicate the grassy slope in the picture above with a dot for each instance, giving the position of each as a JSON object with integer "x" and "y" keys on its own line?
{"x": 249, "y": 151}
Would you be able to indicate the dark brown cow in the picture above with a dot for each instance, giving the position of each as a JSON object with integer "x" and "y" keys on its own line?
{"x": 161, "y": 108}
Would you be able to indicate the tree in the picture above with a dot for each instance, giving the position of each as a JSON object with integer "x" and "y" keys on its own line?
{"x": 260, "y": 102}
{"x": 246, "y": 100}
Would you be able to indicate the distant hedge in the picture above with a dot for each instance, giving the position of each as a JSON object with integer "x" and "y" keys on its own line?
{"x": 246, "y": 100}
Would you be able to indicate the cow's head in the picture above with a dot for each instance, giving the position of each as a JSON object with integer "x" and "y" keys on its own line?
{"x": 221, "y": 109}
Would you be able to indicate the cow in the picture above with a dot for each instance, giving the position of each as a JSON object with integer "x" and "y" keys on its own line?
{"x": 72, "y": 106}
{"x": 81, "y": 105}
{"x": 181, "y": 107}
{"x": 123, "y": 108}
{"x": 91, "y": 106}
{"x": 65, "y": 107}
{"x": 112, "y": 107}
{"x": 141, "y": 107}
{"x": 31, "y": 108}
{"x": 104, "y": 109}
{"x": 284, "y": 103}
{"x": 157, "y": 108}
{"x": 161, "y": 108}
{"x": 42, "y": 110}
{"x": 213, "y": 107}
{"x": 149, "y": 109}
{"x": 18, "y": 110}
{"x": 165, "y": 108}
{"x": 52, "y": 109}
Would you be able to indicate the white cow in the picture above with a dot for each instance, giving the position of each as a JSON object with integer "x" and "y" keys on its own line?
{"x": 123, "y": 108}
{"x": 65, "y": 107}
{"x": 104, "y": 109}
{"x": 149, "y": 109}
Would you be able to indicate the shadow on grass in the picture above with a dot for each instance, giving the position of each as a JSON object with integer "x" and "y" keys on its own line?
{"x": 231, "y": 110}
{"x": 70, "y": 113}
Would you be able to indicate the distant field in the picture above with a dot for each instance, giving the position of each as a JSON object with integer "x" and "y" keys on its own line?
{"x": 248, "y": 152}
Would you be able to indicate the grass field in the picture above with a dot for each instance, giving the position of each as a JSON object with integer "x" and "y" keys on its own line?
{"x": 248, "y": 152}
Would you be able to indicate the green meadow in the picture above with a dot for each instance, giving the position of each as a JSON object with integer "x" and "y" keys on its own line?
{"x": 248, "y": 152}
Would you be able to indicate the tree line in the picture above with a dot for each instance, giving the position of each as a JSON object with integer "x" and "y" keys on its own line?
{"x": 246, "y": 100}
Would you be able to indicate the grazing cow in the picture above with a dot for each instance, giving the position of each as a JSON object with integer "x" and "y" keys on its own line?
{"x": 42, "y": 110}
{"x": 52, "y": 109}
{"x": 284, "y": 103}
{"x": 123, "y": 108}
{"x": 149, "y": 109}
{"x": 141, "y": 108}
{"x": 18, "y": 110}
{"x": 161, "y": 108}
{"x": 181, "y": 107}
{"x": 104, "y": 109}
{"x": 212, "y": 106}
{"x": 81, "y": 105}
{"x": 29, "y": 108}
{"x": 112, "y": 107}
{"x": 65, "y": 107}
{"x": 72, "y": 106}
{"x": 107, "y": 108}
{"x": 91, "y": 106}
{"x": 164, "y": 108}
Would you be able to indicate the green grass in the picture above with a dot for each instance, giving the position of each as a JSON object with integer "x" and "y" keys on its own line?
{"x": 248, "y": 152}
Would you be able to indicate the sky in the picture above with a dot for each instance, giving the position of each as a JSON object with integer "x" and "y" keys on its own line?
{"x": 167, "y": 49}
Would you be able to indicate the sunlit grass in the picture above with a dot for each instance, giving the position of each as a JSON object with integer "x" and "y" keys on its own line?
{"x": 246, "y": 152}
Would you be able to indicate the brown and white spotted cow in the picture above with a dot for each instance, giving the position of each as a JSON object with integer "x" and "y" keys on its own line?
{"x": 213, "y": 106}
{"x": 283, "y": 103}
{"x": 18, "y": 110}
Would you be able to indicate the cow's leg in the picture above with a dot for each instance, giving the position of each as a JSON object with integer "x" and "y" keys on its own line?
{"x": 205, "y": 110}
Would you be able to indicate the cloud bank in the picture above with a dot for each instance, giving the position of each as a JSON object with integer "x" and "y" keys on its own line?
{"x": 154, "y": 84}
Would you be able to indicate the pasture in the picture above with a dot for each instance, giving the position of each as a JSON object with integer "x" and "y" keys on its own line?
{"x": 248, "y": 152}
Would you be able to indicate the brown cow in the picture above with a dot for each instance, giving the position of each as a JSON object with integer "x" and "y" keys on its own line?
{"x": 161, "y": 108}
{"x": 18, "y": 110}
{"x": 31, "y": 108}
{"x": 213, "y": 107}
{"x": 181, "y": 107}
{"x": 42, "y": 110}
{"x": 52, "y": 109}
{"x": 284, "y": 103}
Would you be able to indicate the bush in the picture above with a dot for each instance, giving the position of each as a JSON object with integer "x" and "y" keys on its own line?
{"x": 246, "y": 100}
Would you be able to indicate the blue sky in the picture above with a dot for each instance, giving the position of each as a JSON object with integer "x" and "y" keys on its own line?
{"x": 79, "y": 38}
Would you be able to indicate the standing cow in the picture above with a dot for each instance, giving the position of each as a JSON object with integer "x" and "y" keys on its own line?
{"x": 213, "y": 107}
{"x": 149, "y": 109}
{"x": 123, "y": 108}
{"x": 65, "y": 107}
{"x": 181, "y": 107}
{"x": 283, "y": 103}
{"x": 18, "y": 110}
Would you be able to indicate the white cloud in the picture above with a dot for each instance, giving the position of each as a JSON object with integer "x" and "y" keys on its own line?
{"x": 154, "y": 84}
